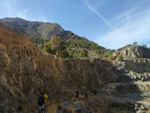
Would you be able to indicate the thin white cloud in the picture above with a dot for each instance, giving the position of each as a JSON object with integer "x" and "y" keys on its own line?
{"x": 132, "y": 26}
{"x": 88, "y": 4}
{"x": 13, "y": 8}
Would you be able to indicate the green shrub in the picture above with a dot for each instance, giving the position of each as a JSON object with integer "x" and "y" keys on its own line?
{"x": 84, "y": 53}
{"x": 65, "y": 54}
{"x": 120, "y": 58}
{"x": 110, "y": 57}
{"x": 92, "y": 62}
{"x": 104, "y": 55}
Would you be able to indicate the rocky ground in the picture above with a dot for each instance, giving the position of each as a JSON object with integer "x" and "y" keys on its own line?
{"x": 133, "y": 85}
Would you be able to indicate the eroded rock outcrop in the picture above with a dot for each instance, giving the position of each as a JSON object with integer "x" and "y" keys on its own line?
{"x": 133, "y": 51}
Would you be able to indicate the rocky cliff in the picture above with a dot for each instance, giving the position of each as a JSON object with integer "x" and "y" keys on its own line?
{"x": 133, "y": 51}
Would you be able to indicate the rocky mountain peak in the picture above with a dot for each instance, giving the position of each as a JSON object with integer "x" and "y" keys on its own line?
{"x": 36, "y": 29}
{"x": 12, "y": 21}
{"x": 33, "y": 29}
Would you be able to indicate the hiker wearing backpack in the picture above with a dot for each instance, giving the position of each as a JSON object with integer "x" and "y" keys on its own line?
{"x": 42, "y": 102}
{"x": 86, "y": 95}
{"x": 77, "y": 94}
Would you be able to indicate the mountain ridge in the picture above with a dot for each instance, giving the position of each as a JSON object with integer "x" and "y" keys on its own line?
{"x": 44, "y": 30}
{"x": 40, "y": 33}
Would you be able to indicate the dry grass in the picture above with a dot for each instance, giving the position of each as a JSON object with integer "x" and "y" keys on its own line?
{"x": 97, "y": 104}
{"x": 81, "y": 96}
{"x": 52, "y": 108}
{"x": 82, "y": 104}
{"x": 60, "y": 106}
{"x": 73, "y": 99}
{"x": 69, "y": 110}
{"x": 28, "y": 107}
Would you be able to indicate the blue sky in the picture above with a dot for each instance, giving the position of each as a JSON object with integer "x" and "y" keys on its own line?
{"x": 109, "y": 23}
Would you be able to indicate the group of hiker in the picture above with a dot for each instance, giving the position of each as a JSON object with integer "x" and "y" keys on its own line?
{"x": 77, "y": 94}
{"x": 42, "y": 100}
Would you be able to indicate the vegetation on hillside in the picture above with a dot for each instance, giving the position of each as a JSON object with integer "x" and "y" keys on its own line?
{"x": 135, "y": 44}
{"x": 55, "y": 46}
{"x": 120, "y": 58}
{"x": 84, "y": 53}
{"x": 70, "y": 48}
{"x": 110, "y": 57}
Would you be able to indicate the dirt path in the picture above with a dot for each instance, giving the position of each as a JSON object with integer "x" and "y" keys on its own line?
{"x": 76, "y": 104}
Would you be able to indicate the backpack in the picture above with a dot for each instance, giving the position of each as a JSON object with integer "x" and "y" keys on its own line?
{"x": 41, "y": 100}
{"x": 46, "y": 97}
